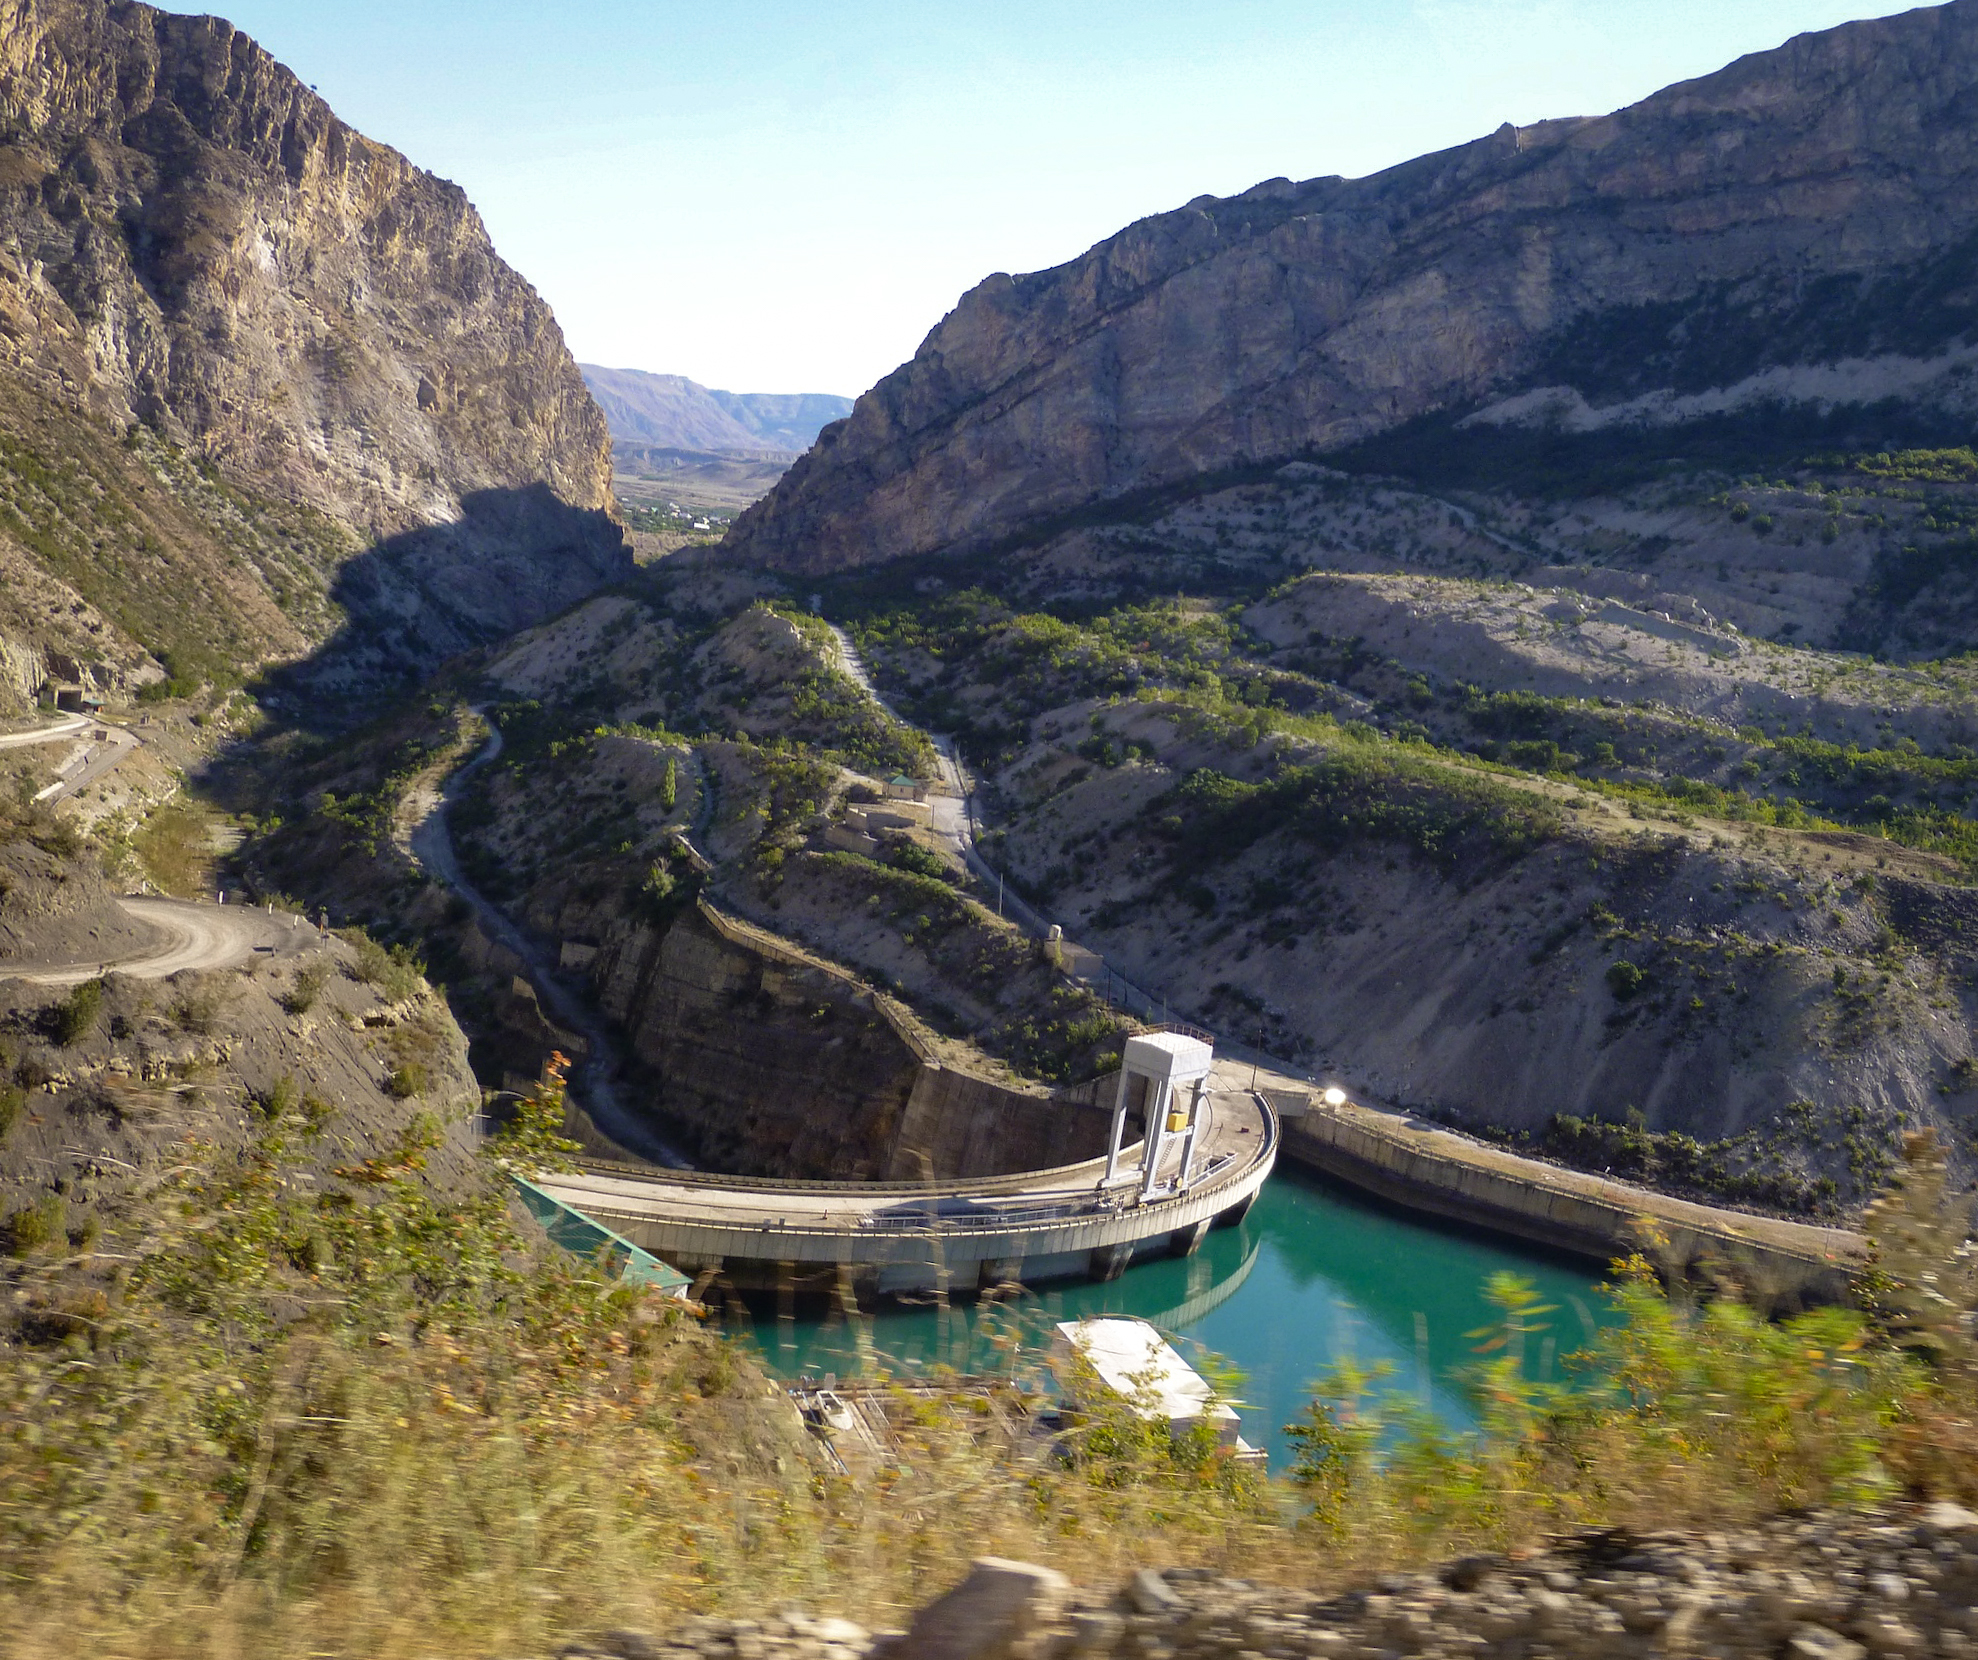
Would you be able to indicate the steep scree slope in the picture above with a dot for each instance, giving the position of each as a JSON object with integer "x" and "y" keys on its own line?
{"x": 190, "y": 239}
{"x": 1794, "y": 228}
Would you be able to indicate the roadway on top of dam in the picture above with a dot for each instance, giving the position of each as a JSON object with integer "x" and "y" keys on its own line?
{"x": 701, "y": 1216}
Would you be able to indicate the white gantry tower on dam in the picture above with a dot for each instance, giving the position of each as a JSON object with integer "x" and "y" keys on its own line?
{"x": 1202, "y": 1156}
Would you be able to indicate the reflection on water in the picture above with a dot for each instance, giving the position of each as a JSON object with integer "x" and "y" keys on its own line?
{"x": 1314, "y": 1275}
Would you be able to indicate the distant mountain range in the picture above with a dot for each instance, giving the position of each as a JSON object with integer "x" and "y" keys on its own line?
{"x": 683, "y": 414}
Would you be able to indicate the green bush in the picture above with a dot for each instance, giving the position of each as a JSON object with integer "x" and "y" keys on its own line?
{"x": 13, "y": 1099}
{"x": 407, "y": 1081}
{"x": 76, "y": 1016}
{"x": 395, "y": 971}
{"x": 1360, "y": 793}
{"x": 278, "y": 1099}
{"x": 309, "y": 982}
{"x": 920, "y": 861}
{"x": 1682, "y": 1411}
{"x": 175, "y": 846}
{"x": 200, "y": 1003}
{"x": 1540, "y": 755}
{"x": 1624, "y": 979}
{"x": 35, "y": 1226}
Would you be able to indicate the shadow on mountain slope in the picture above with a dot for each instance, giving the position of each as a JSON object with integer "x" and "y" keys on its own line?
{"x": 515, "y": 558}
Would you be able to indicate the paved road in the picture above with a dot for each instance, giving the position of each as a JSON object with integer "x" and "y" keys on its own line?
{"x": 94, "y": 755}
{"x": 1233, "y": 1130}
{"x": 99, "y": 746}
{"x": 191, "y": 935}
{"x": 60, "y": 729}
{"x": 1044, "y": 1224}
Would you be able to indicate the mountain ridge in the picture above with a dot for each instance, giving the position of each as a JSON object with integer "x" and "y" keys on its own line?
{"x": 672, "y": 410}
{"x": 194, "y": 245}
{"x": 1806, "y": 205}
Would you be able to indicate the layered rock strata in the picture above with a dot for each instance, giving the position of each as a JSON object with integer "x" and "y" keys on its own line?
{"x": 773, "y": 1062}
{"x": 1792, "y": 229}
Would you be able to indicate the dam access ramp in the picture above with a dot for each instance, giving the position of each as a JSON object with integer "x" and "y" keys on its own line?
{"x": 1211, "y": 1151}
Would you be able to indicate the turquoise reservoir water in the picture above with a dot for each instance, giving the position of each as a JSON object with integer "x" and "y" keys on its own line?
{"x": 1314, "y": 1274}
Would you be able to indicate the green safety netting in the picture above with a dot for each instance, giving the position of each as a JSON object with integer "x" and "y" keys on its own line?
{"x": 577, "y": 1233}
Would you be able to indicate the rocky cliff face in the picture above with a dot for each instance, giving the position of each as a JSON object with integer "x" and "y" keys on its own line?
{"x": 774, "y": 1063}
{"x": 190, "y": 239}
{"x": 1794, "y": 229}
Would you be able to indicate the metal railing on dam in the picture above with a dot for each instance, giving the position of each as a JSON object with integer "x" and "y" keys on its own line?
{"x": 885, "y": 1237}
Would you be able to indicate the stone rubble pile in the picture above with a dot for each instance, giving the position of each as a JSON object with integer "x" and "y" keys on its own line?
{"x": 789, "y": 1635}
{"x": 1818, "y": 1587}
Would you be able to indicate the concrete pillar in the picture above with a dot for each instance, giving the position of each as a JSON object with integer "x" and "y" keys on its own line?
{"x": 1108, "y": 1262}
{"x": 1236, "y": 1212}
{"x": 1159, "y": 1100}
{"x": 1185, "y": 1242}
{"x": 995, "y": 1271}
{"x": 1119, "y": 1126}
{"x": 1194, "y": 1131}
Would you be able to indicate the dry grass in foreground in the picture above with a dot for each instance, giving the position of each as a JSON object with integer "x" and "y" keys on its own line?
{"x": 376, "y": 1420}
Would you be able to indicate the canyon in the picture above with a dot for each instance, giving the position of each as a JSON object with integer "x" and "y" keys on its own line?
{"x": 1493, "y": 638}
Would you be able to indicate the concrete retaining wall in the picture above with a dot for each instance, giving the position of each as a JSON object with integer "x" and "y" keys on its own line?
{"x": 1425, "y": 1168}
{"x": 958, "y": 1125}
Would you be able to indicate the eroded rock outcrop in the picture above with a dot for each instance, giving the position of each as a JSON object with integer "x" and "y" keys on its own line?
{"x": 190, "y": 239}
{"x": 1791, "y": 229}
{"x": 773, "y": 1062}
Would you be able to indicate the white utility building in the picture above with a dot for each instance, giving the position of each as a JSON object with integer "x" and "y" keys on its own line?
{"x": 1163, "y": 1076}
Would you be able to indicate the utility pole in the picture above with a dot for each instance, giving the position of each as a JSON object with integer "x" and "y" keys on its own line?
{"x": 999, "y": 896}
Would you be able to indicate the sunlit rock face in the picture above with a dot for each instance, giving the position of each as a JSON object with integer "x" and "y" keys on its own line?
{"x": 189, "y": 237}
{"x": 1723, "y": 244}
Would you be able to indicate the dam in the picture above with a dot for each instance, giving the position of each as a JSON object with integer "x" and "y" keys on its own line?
{"x": 1205, "y": 1151}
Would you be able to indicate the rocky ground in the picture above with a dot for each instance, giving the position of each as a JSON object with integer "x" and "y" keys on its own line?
{"x": 1813, "y": 1587}
{"x": 1465, "y": 826}
{"x": 335, "y": 1040}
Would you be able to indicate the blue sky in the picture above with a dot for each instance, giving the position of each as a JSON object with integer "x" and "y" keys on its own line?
{"x": 786, "y": 197}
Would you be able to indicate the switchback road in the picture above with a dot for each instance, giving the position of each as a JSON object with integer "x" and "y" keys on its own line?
{"x": 99, "y": 746}
{"x": 192, "y": 934}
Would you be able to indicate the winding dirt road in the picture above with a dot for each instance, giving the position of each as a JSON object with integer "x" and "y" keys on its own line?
{"x": 421, "y": 831}
{"x": 100, "y": 745}
{"x": 191, "y": 935}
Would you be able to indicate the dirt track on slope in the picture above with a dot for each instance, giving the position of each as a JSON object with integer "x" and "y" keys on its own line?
{"x": 192, "y": 936}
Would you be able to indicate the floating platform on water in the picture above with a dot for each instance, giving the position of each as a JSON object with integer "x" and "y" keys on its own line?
{"x": 1128, "y": 1360}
